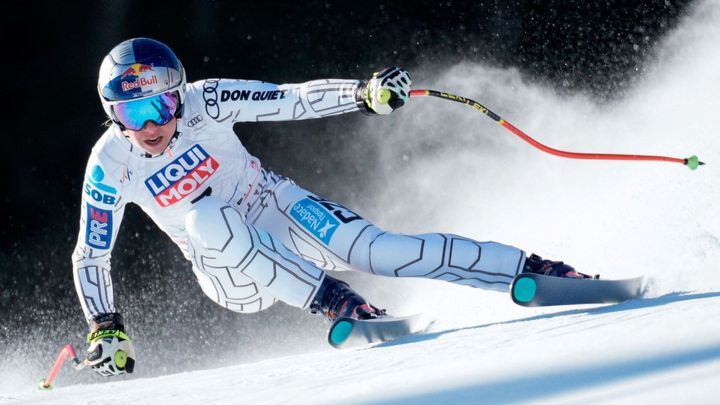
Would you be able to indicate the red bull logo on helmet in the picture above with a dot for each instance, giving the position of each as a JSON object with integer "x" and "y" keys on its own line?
{"x": 182, "y": 176}
{"x": 138, "y": 75}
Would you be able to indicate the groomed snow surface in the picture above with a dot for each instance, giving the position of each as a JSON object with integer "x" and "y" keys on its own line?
{"x": 659, "y": 350}
{"x": 620, "y": 219}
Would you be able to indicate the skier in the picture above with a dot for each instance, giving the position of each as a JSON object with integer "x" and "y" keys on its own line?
{"x": 253, "y": 236}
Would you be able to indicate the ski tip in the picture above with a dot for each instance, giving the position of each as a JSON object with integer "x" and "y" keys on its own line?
{"x": 524, "y": 290}
{"x": 535, "y": 290}
{"x": 340, "y": 332}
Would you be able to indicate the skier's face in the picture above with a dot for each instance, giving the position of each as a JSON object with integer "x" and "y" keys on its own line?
{"x": 153, "y": 138}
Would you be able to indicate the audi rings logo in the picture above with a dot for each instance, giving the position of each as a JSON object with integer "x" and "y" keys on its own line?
{"x": 194, "y": 121}
{"x": 210, "y": 96}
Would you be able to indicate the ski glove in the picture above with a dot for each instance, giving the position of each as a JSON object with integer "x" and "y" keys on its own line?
{"x": 385, "y": 92}
{"x": 110, "y": 352}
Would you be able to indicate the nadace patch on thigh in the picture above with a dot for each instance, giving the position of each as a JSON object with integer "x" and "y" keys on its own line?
{"x": 321, "y": 217}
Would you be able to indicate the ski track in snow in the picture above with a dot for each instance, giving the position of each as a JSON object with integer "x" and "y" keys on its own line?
{"x": 617, "y": 219}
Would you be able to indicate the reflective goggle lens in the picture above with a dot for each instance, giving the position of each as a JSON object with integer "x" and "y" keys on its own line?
{"x": 159, "y": 109}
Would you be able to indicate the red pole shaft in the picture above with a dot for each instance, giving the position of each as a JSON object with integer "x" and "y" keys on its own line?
{"x": 578, "y": 155}
{"x": 66, "y": 350}
{"x": 557, "y": 152}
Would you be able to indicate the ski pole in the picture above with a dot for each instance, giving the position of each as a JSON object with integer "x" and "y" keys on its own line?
{"x": 69, "y": 352}
{"x": 692, "y": 162}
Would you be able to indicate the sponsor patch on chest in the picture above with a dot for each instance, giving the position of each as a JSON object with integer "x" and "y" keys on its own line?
{"x": 181, "y": 177}
{"x": 97, "y": 190}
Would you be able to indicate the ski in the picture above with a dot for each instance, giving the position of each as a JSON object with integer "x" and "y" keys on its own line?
{"x": 348, "y": 332}
{"x": 535, "y": 290}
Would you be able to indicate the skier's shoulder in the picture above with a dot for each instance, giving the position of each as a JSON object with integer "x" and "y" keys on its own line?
{"x": 207, "y": 86}
{"x": 111, "y": 146}
{"x": 211, "y": 103}
{"x": 109, "y": 155}
{"x": 216, "y": 90}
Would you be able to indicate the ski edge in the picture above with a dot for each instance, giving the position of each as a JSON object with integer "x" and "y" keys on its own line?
{"x": 341, "y": 330}
{"x": 525, "y": 287}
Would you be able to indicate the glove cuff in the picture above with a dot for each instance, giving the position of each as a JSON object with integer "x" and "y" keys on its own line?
{"x": 103, "y": 333}
{"x": 361, "y": 98}
{"x": 109, "y": 321}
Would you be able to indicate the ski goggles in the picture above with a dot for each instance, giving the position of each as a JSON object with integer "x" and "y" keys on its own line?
{"x": 134, "y": 114}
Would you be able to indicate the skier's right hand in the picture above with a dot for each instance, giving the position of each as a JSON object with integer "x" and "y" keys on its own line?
{"x": 110, "y": 352}
{"x": 385, "y": 92}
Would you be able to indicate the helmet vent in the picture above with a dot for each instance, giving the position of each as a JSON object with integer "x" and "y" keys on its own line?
{"x": 124, "y": 51}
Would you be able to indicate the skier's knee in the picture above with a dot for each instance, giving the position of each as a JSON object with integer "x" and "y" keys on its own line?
{"x": 237, "y": 255}
{"x": 399, "y": 255}
{"x": 239, "y": 294}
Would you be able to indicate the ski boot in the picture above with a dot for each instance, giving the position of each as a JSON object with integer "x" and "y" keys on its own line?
{"x": 538, "y": 265}
{"x": 335, "y": 299}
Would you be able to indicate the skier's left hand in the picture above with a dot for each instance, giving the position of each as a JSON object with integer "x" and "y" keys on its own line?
{"x": 385, "y": 92}
{"x": 110, "y": 352}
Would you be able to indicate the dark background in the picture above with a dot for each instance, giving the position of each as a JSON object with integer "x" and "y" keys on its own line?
{"x": 52, "y": 52}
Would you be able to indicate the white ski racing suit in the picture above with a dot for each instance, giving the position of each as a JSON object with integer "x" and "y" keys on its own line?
{"x": 253, "y": 236}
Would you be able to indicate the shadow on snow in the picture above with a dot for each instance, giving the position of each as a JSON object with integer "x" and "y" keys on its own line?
{"x": 625, "y": 306}
{"x": 535, "y": 387}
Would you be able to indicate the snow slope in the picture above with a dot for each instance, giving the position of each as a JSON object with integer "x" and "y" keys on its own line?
{"x": 616, "y": 218}
{"x": 659, "y": 350}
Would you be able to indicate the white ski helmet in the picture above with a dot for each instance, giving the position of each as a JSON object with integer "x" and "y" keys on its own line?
{"x": 140, "y": 68}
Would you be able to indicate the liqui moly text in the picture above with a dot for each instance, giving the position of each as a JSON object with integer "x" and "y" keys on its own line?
{"x": 182, "y": 176}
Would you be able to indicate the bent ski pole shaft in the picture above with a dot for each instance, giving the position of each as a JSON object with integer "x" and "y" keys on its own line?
{"x": 692, "y": 162}
{"x": 69, "y": 352}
